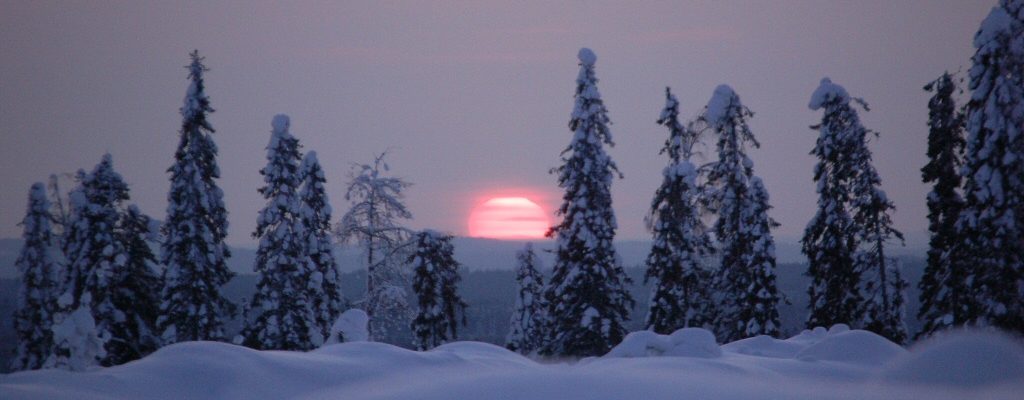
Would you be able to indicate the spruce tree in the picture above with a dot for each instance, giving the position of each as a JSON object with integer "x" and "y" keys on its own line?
{"x": 193, "y": 252}
{"x": 284, "y": 312}
{"x": 137, "y": 287}
{"x": 526, "y": 332}
{"x": 742, "y": 227}
{"x": 105, "y": 276}
{"x": 830, "y": 241}
{"x": 436, "y": 274}
{"x": 990, "y": 228}
{"x": 37, "y": 294}
{"x": 680, "y": 295}
{"x": 760, "y": 312}
{"x": 374, "y": 223}
{"x": 943, "y": 287}
{"x": 315, "y": 209}
{"x": 881, "y": 285}
{"x": 587, "y": 296}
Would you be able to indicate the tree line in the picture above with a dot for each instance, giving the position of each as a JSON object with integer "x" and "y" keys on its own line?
{"x": 94, "y": 293}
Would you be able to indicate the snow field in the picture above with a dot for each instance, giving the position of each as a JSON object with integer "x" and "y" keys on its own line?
{"x": 834, "y": 364}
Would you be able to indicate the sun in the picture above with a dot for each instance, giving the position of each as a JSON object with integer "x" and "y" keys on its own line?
{"x": 508, "y": 218}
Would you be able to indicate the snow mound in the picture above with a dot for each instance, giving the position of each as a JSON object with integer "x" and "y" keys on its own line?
{"x": 826, "y": 92}
{"x": 719, "y": 104}
{"x": 587, "y": 56}
{"x": 471, "y": 370}
{"x": 852, "y": 347}
{"x": 765, "y": 346}
{"x": 280, "y": 123}
{"x": 686, "y": 342}
{"x": 964, "y": 359}
{"x": 350, "y": 327}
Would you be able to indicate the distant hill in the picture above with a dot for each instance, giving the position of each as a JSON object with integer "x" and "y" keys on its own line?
{"x": 485, "y": 254}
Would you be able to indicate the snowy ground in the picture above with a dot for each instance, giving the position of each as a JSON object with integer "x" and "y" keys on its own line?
{"x": 839, "y": 364}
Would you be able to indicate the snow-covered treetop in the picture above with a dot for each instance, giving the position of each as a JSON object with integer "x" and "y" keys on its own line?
{"x": 432, "y": 235}
{"x": 103, "y": 184}
{"x": 827, "y": 92}
{"x": 309, "y": 160}
{"x": 196, "y": 101}
{"x": 589, "y": 115}
{"x": 37, "y": 195}
{"x": 281, "y": 123}
{"x": 279, "y": 130}
{"x": 718, "y": 107}
{"x": 587, "y": 56}
{"x": 997, "y": 23}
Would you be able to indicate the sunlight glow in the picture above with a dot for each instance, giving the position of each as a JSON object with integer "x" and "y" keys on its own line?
{"x": 508, "y": 218}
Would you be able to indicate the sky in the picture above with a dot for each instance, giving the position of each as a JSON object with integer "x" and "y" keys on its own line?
{"x": 471, "y": 99}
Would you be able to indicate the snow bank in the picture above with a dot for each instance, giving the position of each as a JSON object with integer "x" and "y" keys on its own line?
{"x": 686, "y": 342}
{"x": 765, "y": 346}
{"x": 470, "y": 370}
{"x": 966, "y": 359}
{"x": 853, "y": 347}
{"x": 826, "y": 92}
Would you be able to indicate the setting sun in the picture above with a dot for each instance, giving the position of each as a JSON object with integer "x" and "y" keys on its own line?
{"x": 508, "y": 218}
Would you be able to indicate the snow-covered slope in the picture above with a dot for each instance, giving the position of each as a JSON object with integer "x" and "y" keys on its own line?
{"x": 836, "y": 364}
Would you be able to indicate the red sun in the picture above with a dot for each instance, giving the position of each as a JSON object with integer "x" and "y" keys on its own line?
{"x": 508, "y": 218}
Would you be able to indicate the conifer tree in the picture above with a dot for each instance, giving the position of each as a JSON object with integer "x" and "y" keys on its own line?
{"x": 136, "y": 286}
{"x": 587, "y": 296}
{"x": 105, "y": 274}
{"x": 990, "y": 228}
{"x": 193, "y": 252}
{"x": 436, "y": 274}
{"x": 284, "y": 313}
{"x": 325, "y": 288}
{"x": 680, "y": 296}
{"x": 742, "y": 227}
{"x": 37, "y": 295}
{"x": 760, "y": 312}
{"x": 830, "y": 241}
{"x": 528, "y": 320}
{"x": 373, "y": 222}
{"x": 881, "y": 283}
{"x": 943, "y": 287}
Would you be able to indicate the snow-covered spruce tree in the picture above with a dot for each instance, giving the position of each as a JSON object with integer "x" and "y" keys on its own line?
{"x": 742, "y": 227}
{"x": 105, "y": 276}
{"x": 588, "y": 302}
{"x": 193, "y": 251}
{"x": 315, "y": 209}
{"x": 990, "y": 229}
{"x": 760, "y": 313}
{"x": 680, "y": 294}
{"x": 436, "y": 274}
{"x": 943, "y": 287}
{"x": 282, "y": 312}
{"x": 136, "y": 287}
{"x": 37, "y": 294}
{"x": 830, "y": 241}
{"x": 526, "y": 331}
{"x": 373, "y": 223}
{"x": 881, "y": 284}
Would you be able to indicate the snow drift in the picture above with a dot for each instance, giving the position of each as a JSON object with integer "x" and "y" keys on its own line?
{"x": 834, "y": 364}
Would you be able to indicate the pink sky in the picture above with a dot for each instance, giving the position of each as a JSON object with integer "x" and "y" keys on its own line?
{"x": 474, "y": 97}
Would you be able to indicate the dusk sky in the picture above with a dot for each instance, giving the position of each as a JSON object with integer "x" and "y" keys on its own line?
{"x": 473, "y": 98}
